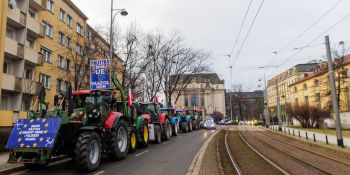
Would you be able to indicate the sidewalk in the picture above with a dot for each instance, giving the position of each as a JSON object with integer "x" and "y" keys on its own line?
{"x": 332, "y": 139}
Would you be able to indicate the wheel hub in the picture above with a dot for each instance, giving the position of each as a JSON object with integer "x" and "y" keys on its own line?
{"x": 94, "y": 152}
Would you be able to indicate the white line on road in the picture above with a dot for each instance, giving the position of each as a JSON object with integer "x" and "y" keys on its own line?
{"x": 100, "y": 172}
{"x": 166, "y": 142}
{"x": 179, "y": 137}
{"x": 139, "y": 154}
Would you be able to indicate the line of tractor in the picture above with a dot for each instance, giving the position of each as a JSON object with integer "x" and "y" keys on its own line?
{"x": 89, "y": 124}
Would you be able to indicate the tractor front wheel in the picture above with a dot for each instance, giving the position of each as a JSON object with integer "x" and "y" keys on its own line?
{"x": 133, "y": 141}
{"x": 88, "y": 151}
{"x": 184, "y": 127}
{"x": 120, "y": 141}
{"x": 175, "y": 129}
{"x": 190, "y": 126}
{"x": 157, "y": 134}
{"x": 144, "y": 133}
{"x": 167, "y": 130}
{"x": 195, "y": 125}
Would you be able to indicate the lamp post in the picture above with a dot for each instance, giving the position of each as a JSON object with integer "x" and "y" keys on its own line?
{"x": 123, "y": 12}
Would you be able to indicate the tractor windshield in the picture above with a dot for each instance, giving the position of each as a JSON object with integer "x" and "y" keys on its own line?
{"x": 189, "y": 112}
{"x": 89, "y": 100}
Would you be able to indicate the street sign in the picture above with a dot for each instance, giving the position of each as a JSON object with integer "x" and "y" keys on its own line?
{"x": 34, "y": 133}
{"x": 99, "y": 76}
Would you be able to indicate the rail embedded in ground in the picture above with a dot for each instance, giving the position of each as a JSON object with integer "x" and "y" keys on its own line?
{"x": 235, "y": 166}
{"x": 262, "y": 156}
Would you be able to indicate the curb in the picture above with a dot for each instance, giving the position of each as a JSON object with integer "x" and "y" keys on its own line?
{"x": 21, "y": 167}
{"x": 197, "y": 160}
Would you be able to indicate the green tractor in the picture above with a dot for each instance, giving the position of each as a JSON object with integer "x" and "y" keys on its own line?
{"x": 194, "y": 116}
{"x": 159, "y": 123}
{"x": 91, "y": 124}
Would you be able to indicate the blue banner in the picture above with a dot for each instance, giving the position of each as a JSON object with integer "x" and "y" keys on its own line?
{"x": 34, "y": 133}
{"x": 99, "y": 76}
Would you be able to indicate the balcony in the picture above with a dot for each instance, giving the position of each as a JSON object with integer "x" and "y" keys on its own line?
{"x": 26, "y": 86}
{"x": 8, "y": 82}
{"x": 33, "y": 56}
{"x": 16, "y": 18}
{"x": 37, "y": 4}
{"x": 35, "y": 29}
{"x": 13, "y": 48}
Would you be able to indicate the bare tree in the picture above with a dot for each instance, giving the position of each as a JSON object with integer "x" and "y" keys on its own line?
{"x": 308, "y": 116}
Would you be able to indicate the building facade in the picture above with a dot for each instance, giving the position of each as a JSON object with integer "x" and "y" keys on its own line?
{"x": 245, "y": 105}
{"x": 314, "y": 90}
{"x": 205, "y": 91}
{"x": 278, "y": 87}
{"x": 47, "y": 42}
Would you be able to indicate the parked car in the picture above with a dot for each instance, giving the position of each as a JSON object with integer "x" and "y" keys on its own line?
{"x": 202, "y": 124}
{"x": 230, "y": 122}
{"x": 209, "y": 124}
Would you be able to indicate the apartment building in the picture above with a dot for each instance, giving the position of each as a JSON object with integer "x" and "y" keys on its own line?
{"x": 48, "y": 42}
{"x": 281, "y": 83}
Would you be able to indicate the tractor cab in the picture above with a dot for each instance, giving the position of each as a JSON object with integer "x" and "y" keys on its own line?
{"x": 150, "y": 108}
{"x": 96, "y": 104}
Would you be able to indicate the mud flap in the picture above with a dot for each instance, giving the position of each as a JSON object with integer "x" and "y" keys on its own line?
{"x": 152, "y": 136}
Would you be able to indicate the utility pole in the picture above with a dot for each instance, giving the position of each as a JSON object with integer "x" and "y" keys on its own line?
{"x": 334, "y": 95}
{"x": 111, "y": 35}
{"x": 231, "y": 92}
{"x": 278, "y": 108}
{"x": 266, "y": 100}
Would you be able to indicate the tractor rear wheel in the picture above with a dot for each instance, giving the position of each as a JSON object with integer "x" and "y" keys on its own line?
{"x": 194, "y": 125}
{"x": 175, "y": 128}
{"x": 167, "y": 130}
{"x": 144, "y": 133}
{"x": 120, "y": 141}
{"x": 184, "y": 127}
{"x": 88, "y": 151}
{"x": 133, "y": 141}
{"x": 157, "y": 134}
{"x": 190, "y": 126}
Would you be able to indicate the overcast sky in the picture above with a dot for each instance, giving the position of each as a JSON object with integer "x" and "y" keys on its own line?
{"x": 214, "y": 25}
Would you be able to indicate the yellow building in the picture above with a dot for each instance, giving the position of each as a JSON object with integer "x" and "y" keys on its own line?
{"x": 48, "y": 42}
{"x": 282, "y": 82}
{"x": 315, "y": 89}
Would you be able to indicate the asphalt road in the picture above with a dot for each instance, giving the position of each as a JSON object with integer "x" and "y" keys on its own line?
{"x": 170, "y": 157}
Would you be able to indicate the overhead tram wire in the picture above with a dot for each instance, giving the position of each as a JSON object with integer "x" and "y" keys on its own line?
{"x": 240, "y": 29}
{"x": 307, "y": 29}
{"x": 247, "y": 34}
{"x": 330, "y": 28}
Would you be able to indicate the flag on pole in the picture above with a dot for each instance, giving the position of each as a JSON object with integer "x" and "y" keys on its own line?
{"x": 129, "y": 98}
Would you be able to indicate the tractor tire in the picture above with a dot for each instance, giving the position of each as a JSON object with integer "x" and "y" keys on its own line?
{"x": 119, "y": 141}
{"x": 157, "y": 134}
{"x": 195, "y": 125}
{"x": 167, "y": 130}
{"x": 184, "y": 127}
{"x": 87, "y": 152}
{"x": 175, "y": 129}
{"x": 190, "y": 126}
{"x": 144, "y": 133}
{"x": 133, "y": 141}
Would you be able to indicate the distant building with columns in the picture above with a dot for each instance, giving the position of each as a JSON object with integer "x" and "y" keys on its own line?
{"x": 205, "y": 91}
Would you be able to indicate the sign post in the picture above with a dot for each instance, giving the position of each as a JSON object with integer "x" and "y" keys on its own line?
{"x": 100, "y": 74}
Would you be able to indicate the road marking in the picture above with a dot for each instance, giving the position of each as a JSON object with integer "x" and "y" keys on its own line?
{"x": 100, "y": 172}
{"x": 179, "y": 137}
{"x": 139, "y": 154}
{"x": 166, "y": 142}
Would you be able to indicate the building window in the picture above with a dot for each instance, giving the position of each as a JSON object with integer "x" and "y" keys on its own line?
{"x": 62, "y": 15}
{"x": 185, "y": 100}
{"x": 61, "y": 85}
{"x": 318, "y": 100}
{"x": 316, "y": 83}
{"x": 68, "y": 42}
{"x": 68, "y": 65}
{"x": 80, "y": 29}
{"x": 5, "y": 68}
{"x": 61, "y": 62}
{"x": 5, "y": 102}
{"x": 50, "y": 5}
{"x": 61, "y": 38}
{"x": 305, "y": 86}
{"x": 47, "y": 54}
{"x": 30, "y": 42}
{"x": 202, "y": 101}
{"x": 45, "y": 80}
{"x": 79, "y": 49}
{"x": 28, "y": 74}
{"x": 193, "y": 100}
{"x": 48, "y": 29}
{"x": 32, "y": 13}
{"x": 296, "y": 100}
{"x": 306, "y": 98}
{"x": 295, "y": 89}
{"x": 9, "y": 33}
{"x": 69, "y": 21}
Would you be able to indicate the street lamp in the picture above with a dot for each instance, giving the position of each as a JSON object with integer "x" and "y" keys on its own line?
{"x": 123, "y": 12}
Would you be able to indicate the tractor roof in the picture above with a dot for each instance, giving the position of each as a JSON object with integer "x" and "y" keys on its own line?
{"x": 167, "y": 109}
